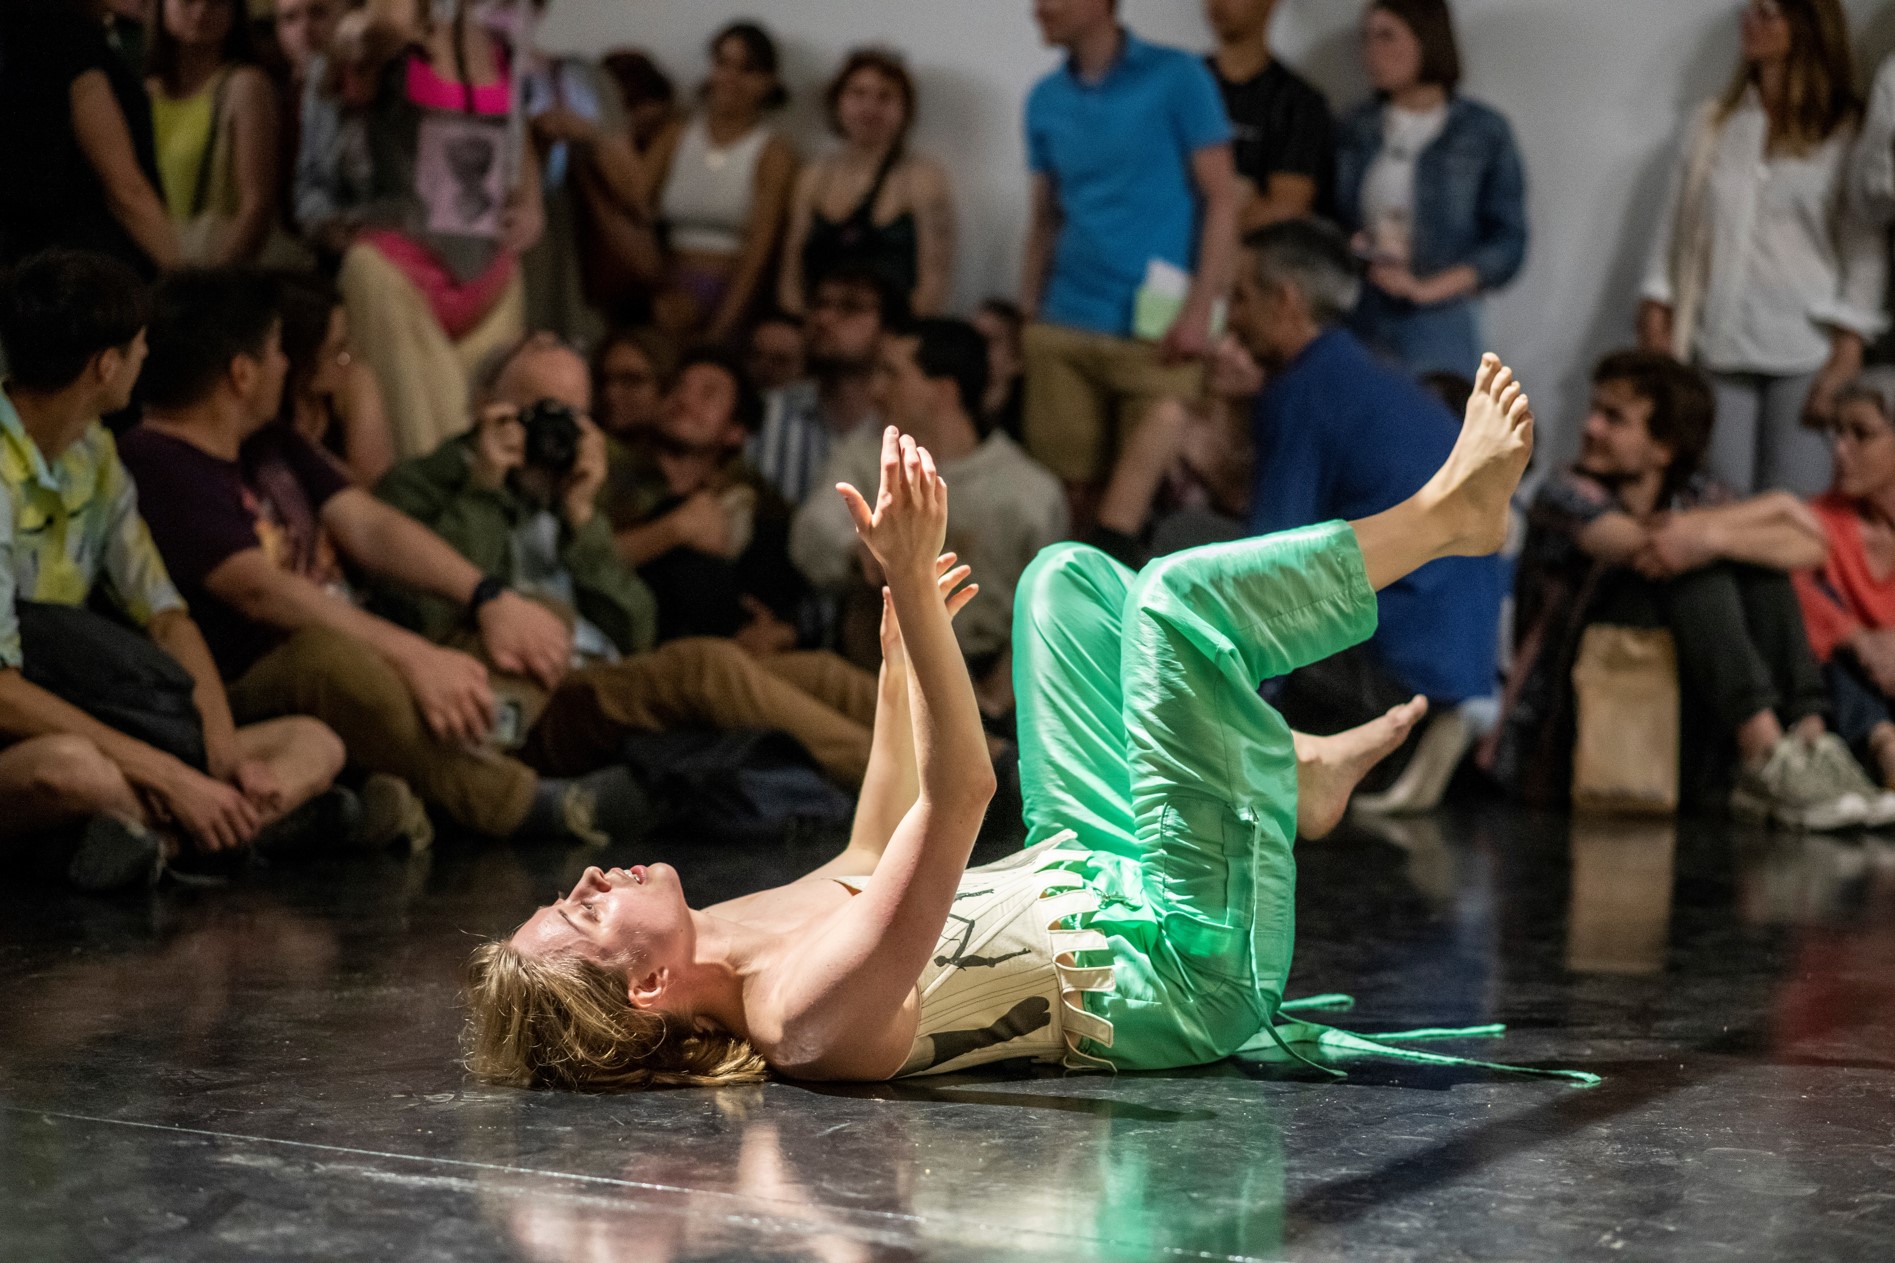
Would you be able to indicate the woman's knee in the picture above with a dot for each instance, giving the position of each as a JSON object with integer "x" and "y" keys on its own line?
{"x": 1069, "y": 571}
{"x": 315, "y": 747}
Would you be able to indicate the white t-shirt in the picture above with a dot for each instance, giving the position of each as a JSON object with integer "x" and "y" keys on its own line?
{"x": 1388, "y": 191}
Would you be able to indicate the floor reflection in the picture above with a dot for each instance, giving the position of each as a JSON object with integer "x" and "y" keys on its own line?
{"x": 1619, "y": 915}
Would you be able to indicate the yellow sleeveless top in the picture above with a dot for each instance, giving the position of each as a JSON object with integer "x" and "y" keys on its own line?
{"x": 181, "y": 128}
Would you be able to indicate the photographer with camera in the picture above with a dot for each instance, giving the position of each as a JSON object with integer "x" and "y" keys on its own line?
{"x": 264, "y": 535}
{"x": 515, "y": 496}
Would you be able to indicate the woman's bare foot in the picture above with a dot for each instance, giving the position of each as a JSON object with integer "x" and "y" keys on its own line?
{"x": 1329, "y": 768}
{"x": 1474, "y": 489}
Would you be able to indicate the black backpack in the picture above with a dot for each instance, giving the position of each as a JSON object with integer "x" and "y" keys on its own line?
{"x": 120, "y": 677}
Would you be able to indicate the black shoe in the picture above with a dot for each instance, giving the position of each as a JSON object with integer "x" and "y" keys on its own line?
{"x": 115, "y": 854}
{"x": 327, "y": 822}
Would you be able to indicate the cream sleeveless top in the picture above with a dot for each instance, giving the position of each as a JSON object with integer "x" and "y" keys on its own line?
{"x": 1004, "y": 981}
{"x": 706, "y": 202}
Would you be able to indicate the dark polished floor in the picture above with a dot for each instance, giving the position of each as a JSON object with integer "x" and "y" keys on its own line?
{"x": 268, "y": 1071}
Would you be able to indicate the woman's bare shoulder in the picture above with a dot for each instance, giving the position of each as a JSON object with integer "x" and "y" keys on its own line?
{"x": 786, "y": 908}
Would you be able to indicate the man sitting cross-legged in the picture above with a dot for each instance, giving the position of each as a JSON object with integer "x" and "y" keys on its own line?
{"x": 72, "y": 326}
{"x": 257, "y": 526}
{"x": 1635, "y": 534}
{"x": 543, "y": 530}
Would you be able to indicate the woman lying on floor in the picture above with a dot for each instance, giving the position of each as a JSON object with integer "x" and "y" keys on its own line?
{"x": 1148, "y": 924}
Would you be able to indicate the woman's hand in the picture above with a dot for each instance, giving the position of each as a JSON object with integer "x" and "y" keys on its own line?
{"x": 1654, "y": 327}
{"x": 949, "y": 582}
{"x": 908, "y": 525}
{"x": 1843, "y": 366}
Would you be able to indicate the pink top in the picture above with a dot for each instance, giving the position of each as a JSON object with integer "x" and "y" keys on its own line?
{"x": 431, "y": 92}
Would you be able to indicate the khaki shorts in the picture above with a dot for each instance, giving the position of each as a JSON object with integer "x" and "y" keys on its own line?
{"x": 1087, "y": 392}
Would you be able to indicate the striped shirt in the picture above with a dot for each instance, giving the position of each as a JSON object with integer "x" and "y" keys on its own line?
{"x": 794, "y": 443}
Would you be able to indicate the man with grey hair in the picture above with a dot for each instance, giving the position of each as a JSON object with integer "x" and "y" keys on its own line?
{"x": 1340, "y": 435}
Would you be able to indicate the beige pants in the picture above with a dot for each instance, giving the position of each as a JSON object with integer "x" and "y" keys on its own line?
{"x": 426, "y": 377}
{"x": 1087, "y": 392}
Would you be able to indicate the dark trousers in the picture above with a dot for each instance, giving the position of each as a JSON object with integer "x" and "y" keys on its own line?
{"x": 1861, "y": 707}
{"x": 1742, "y": 650}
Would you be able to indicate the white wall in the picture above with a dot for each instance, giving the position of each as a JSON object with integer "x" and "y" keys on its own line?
{"x": 1596, "y": 90}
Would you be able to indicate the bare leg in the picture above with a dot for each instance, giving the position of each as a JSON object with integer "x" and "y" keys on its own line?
{"x": 1329, "y": 768}
{"x": 50, "y": 782}
{"x": 1148, "y": 456}
{"x": 303, "y": 756}
{"x": 1463, "y": 510}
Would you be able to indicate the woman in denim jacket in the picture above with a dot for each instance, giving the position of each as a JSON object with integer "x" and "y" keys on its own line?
{"x": 1432, "y": 186}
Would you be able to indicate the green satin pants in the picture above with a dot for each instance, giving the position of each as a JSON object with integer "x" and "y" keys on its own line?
{"x": 1141, "y": 729}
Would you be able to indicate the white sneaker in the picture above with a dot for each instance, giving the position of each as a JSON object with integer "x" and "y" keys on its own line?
{"x": 1797, "y": 788}
{"x": 1834, "y": 756}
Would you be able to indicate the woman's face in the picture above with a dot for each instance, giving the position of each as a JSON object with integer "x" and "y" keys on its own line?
{"x": 303, "y": 28}
{"x": 1391, "y": 52}
{"x": 626, "y": 917}
{"x": 871, "y": 110}
{"x": 629, "y": 395}
{"x": 1767, "y": 34}
{"x": 1863, "y": 441}
{"x": 333, "y": 357}
{"x": 199, "y": 23}
{"x": 735, "y": 86}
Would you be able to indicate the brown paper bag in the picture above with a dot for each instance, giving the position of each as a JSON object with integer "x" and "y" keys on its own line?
{"x": 1625, "y": 686}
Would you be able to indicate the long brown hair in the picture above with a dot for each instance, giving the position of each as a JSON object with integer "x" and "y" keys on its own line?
{"x": 1819, "y": 84}
{"x": 565, "y": 1022}
{"x": 162, "y": 48}
{"x": 1433, "y": 26}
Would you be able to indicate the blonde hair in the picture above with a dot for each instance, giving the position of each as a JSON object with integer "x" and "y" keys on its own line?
{"x": 565, "y": 1022}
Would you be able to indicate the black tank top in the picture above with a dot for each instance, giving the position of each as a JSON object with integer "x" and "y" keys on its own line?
{"x": 892, "y": 250}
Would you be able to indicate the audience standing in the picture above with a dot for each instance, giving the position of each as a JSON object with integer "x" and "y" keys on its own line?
{"x": 214, "y": 121}
{"x": 1762, "y": 270}
{"x": 1637, "y": 534}
{"x": 1132, "y": 240}
{"x": 875, "y": 203}
{"x": 1432, "y": 185}
{"x": 431, "y": 196}
{"x": 111, "y": 751}
{"x": 848, "y": 313}
{"x": 1283, "y": 138}
{"x": 76, "y": 118}
{"x": 723, "y": 189}
{"x": 1340, "y": 434}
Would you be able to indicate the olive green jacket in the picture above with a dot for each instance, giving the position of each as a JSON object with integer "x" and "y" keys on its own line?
{"x": 438, "y": 490}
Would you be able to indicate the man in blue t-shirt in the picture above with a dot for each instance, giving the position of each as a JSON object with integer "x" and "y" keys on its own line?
{"x": 1133, "y": 238}
{"x": 1339, "y": 434}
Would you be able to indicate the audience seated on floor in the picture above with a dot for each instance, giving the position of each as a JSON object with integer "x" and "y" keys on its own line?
{"x": 329, "y": 395}
{"x": 1005, "y": 507}
{"x": 262, "y": 531}
{"x": 1849, "y": 603}
{"x": 1637, "y": 534}
{"x": 804, "y": 421}
{"x": 774, "y": 356}
{"x": 493, "y": 497}
{"x": 117, "y": 747}
{"x": 1340, "y": 434}
{"x": 699, "y": 522}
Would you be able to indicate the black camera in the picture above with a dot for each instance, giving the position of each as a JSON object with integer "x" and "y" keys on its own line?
{"x": 552, "y": 437}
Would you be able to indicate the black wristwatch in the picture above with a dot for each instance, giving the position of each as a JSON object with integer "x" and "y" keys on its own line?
{"x": 484, "y": 591}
